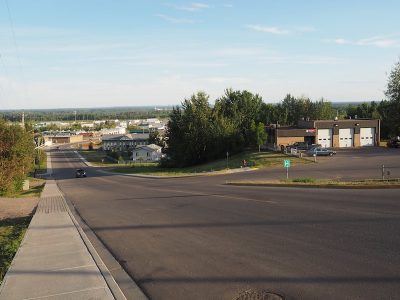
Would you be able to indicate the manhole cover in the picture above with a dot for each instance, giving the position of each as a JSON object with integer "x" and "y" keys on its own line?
{"x": 258, "y": 295}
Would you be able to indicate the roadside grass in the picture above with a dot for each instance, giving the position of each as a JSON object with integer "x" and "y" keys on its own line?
{"x": 36, "y": 188}
{"x": 98, "y": 158}
{"x": 323, "y": 183}
{"x": 254, "y": 160}
{"x": 11, "y": 234}
{"x": 42, "y": 167}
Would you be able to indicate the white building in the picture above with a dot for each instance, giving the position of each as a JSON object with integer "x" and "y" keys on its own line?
{"x": 147, "y": 153}
{"x": 116, "y": 130}
{"x": 123, "y": 142}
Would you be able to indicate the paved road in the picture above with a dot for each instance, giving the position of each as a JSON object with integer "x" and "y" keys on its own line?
{"x": 195, "y": 238}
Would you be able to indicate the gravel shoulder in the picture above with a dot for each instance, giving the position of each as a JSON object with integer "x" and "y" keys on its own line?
{"x": 11, "y": 208}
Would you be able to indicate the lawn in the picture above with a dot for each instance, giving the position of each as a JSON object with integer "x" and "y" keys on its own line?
{"x": 36, "y": 188}
{"x": 11, "y": 234}
{"x": 254, "y": 159}
{"x": 97, "y": 157}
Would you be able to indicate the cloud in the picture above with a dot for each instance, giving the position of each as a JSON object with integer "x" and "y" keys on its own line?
{"x": 174, "y": 20}
{"x": 391, "y": 41}
{"x": 268, "y": 29}
{"x": 192, "y": 7}
{"x": 380, "y": 42}
{"x": 281, "y": 31}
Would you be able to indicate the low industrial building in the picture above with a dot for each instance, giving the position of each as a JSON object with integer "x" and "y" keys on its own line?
{"x": 125, "y": 141}
{"x": 62, "y": 139}
{"x": 328, "y": 133}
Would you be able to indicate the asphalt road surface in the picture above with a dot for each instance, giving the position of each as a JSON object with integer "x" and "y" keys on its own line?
{"x": 195, "y": 238}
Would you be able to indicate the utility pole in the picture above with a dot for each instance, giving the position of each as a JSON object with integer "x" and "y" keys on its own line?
{"x": 75, "y": 115}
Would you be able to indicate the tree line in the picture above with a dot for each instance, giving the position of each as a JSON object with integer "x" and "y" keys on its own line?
{"x": 85, "y": 114}
{"x": 198, "y": 132}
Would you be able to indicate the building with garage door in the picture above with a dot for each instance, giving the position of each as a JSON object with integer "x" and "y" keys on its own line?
{"x": 328, "y": 133}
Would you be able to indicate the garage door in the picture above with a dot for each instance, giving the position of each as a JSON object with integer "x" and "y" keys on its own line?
{"x": 367, "y": 137}
{"x": 325, "y": 137}
{"x": 346, "y": 137}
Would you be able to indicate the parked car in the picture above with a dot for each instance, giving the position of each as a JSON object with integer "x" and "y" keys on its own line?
{"x": 394, "y": 143}
{"x": 302, "y": 146}
{"x": 318, "y": 151}
{"x": 80, "y": 173}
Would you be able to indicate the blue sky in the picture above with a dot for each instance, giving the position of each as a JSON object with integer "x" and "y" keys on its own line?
{"x": 95, "y": 53}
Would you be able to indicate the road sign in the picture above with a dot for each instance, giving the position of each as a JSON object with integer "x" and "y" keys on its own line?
{"x": 286, "y": 163}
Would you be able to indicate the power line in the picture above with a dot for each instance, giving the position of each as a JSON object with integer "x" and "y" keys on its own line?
{"x": 16, "y": 47}
{"x": 2, "y": 90}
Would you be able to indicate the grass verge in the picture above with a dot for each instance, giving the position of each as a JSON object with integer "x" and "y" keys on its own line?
{"x": 254, "y": 160}
{"x": 36, "y": 187}
{"x": 323, "y": 183}
{"x": 11, "y": 234}
{"x": 98, "y": 158}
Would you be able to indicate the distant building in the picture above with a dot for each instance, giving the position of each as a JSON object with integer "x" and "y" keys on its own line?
{"x": 61, "y": 138}
{"x": 116, "y": 130}
{"x": 123, "y": 142}
{"x": 328, "y": 133}
{"x": 147, "y": 153}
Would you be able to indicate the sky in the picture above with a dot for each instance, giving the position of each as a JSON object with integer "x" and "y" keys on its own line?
{"x": 98, "y": 53}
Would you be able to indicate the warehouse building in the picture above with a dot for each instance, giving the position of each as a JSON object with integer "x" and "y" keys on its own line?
{"x": 328, "y": 133}
{"x": 62, "y": 138}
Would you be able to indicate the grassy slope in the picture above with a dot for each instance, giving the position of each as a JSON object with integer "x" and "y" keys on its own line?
{"x": 254, "y": 159}
{"x": 36, "y": 188}
{"x": 97, "y": 158}
{"x": 11, "y": 234}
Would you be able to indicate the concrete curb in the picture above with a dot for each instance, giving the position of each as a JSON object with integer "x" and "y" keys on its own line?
{"x": 8, "y": 285}
{"x": 53, "y": 212}
{"x": 217, "y": 173}
{"x": 89, "y": 164}
{"x": 230, "y": 171}
{"x": 114, "y": 288}
{"x": 132, "y": 290}
{"x": 318, "y": 186}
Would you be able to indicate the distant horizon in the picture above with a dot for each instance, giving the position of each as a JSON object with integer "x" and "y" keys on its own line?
{"x": 157, "y": 51}
{"x": 344, "y": 102}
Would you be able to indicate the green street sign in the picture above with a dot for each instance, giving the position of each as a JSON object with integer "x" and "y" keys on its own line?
{"x": 286, "y": 163}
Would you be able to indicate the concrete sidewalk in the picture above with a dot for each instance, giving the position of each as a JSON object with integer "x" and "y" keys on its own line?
{"x": 56, "y": 260}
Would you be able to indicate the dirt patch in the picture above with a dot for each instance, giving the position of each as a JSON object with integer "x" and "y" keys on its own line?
{"x": 11, "y": 208}
{"x": 258, "y": 295}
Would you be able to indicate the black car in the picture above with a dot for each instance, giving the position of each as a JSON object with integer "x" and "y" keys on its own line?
{"x": 394, "y": 143}
{"x": 80, "y": 173}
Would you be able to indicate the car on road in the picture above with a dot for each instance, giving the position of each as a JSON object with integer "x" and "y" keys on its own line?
{"x": 394, "y": 143}
{"x": 318, "y": 151}
{"x": 80, "y": 173}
